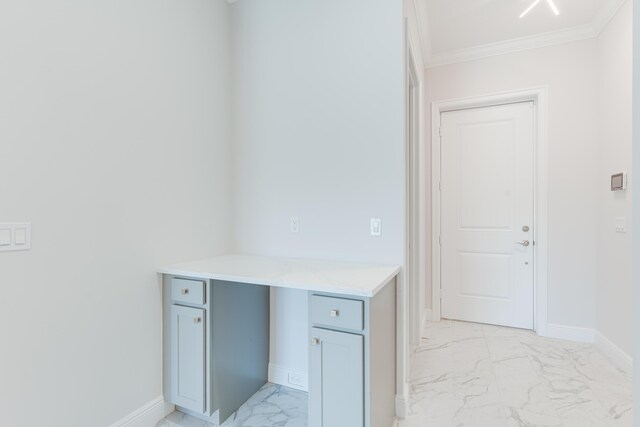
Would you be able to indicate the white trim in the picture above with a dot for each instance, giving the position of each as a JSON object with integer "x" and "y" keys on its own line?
{"x": 535, "y": 41}
{"x": 539, "y": 96}
{"x": 510, "y": 46}
{"x": 413, "y": 231}
{"x": 280, "y": 375}
{"x": 147, "y": 415}
{"x": 402, "y": 406}
{"x": 427, "y": 316}
{"x": 571, "y": 333}
{"x": 619, "y": 357}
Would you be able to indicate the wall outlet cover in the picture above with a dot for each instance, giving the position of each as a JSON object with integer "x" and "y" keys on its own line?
{"x": 296, "y": 379}
{"x": 295, "y": 224}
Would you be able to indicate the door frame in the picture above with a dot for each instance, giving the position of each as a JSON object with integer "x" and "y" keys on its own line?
{"x": 541, "y": 192}
{"x": 413, "y": 152}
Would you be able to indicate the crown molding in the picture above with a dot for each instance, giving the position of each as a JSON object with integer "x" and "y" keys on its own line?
{"x": 231, "y": 1}
{"x": 511, "y": 46}
{"x": 583, "y": 32}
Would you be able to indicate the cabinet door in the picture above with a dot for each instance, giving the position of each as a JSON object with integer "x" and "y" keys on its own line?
{"x": 187, "y": 357}
{"x": 336, "y": 380}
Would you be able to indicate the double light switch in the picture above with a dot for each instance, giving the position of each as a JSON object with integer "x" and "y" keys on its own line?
{"x": 15, "y": 237}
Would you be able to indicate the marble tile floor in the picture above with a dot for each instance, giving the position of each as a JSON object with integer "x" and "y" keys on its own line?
{"x": 472, "y": 375}
{"x": 272, "y": 406}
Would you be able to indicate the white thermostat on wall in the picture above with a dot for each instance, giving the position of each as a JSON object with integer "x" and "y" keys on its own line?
{"x": 619, "y": 182}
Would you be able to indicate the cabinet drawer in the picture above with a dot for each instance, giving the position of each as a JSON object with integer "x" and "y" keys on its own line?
{"x": 187, "y": 291}
{"x": 337, "y": 312}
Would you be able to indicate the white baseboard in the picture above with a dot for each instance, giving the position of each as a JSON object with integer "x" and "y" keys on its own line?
{"x": 621, "y": 359}
{"x": 146, "y": 416}
{"x": 571, "y": 333}
{"x": 402, "y": 406}
{"x": 427, "y": 316}
{"x": 280, "y": 375}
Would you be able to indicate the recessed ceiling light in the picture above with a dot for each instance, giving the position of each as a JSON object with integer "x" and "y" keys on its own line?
{"x": 551, "y": 4}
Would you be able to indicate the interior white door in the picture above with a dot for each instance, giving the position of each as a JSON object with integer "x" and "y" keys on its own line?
{"x": 487, "y": 179}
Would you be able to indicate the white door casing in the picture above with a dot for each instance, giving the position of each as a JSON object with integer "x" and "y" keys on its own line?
{"x": 487, "y": 202}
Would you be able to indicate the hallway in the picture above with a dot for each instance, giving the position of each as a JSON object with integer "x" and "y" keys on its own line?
{"x": 472, "y": 375}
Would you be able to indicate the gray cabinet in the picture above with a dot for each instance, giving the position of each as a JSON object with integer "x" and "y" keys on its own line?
{"x": 336, "y": 380}
{"x": 352, "y": 359}
{"x": 216, "y": 345}
{"x": 188, "y": 357}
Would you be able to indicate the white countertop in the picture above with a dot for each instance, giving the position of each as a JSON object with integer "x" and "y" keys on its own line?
{"x": 356, "y": 279}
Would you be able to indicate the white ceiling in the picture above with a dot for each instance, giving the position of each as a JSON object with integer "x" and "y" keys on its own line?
{"x": 459, "y": 30}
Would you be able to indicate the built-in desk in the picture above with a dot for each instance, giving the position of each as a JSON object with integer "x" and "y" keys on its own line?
{"x": 216, "y": 336}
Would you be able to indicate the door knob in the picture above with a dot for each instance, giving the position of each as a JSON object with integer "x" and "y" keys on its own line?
{"x": 524, "y": 243}
{"x": 335, "y": 313}
{"x": 184, "y": 291}
{"x": 197, "y": 320}
{"x": 525, "y": 228}
{"x": 315, "y": 341}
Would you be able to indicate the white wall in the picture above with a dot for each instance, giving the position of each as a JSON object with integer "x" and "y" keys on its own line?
{"x": 571, "y": 73}
{"x": 614, "y": 316}
{"x": 318, "y": 134}
{"x": 114, "y": 144}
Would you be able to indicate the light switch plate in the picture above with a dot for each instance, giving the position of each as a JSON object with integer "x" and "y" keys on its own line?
{"x": 15, "y": 236}
{"x": 5, "y": 236}
{"x": 376, "y": 227}
{"x": 20, "y": 236}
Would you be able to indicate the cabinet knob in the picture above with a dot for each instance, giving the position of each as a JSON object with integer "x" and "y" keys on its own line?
{"x": 197, "y": 320}
{"x": 184, "y": 291}
{"x": 335, "y": 312}
{"x": 315, "y": 341}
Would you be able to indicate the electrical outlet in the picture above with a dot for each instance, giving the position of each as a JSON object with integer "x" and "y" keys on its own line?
{"x": 295, "y": 379}
{"x": 295, "y": 224}
{"x": 621, "y": 224}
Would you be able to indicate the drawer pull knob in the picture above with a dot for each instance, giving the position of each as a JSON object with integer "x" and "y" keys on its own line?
{"x": 335, "y": 313}
{"x": 197, "y": 320}
{"x": 184, "y": 291}
{"x": 315, "y": 341}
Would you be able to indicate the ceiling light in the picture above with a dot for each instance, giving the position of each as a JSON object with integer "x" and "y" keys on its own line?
{"x": 535, "y": 3}
{"x": 551, "y": 3}
{"x": 553, "y": 7}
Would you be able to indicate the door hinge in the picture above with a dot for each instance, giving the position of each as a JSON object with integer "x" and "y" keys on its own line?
{"x": 440, "y": 185}
{"x": 440, "y": 132}
{"x": 440, "y": 240}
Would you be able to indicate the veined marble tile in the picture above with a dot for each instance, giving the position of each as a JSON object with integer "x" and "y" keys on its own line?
{"x": 178, "y": 419}
{"x": 466, "y": 374}
{"x": 617, "y": 399}
{"x": 517, "y": 417}
{"x": 502, "y": 348}
{"x": 523, "y": 390}
{"x": 272, "y": 406}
